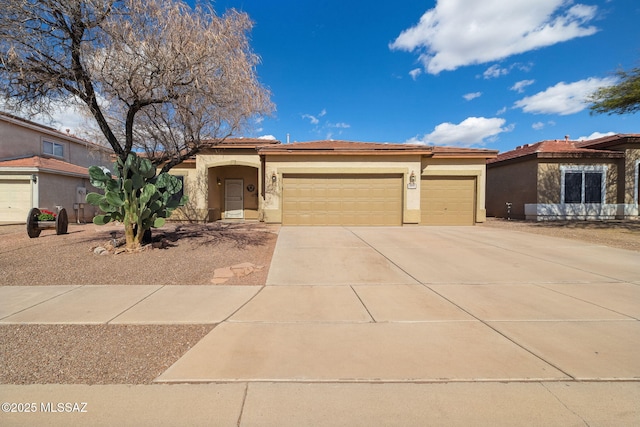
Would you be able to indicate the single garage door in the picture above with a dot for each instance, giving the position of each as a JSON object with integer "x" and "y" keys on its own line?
{"x": 342, "y": 199}
{"x": 15, "y": 200}
{"x": 448, "y": 200}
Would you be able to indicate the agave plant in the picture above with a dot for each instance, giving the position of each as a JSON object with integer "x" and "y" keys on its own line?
{"x": 135, "y": 196}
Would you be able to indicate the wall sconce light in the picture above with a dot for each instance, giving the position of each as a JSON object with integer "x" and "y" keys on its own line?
{"x": 412, "y": 178}
{"x": 218, "y": 181}
{"x": 34, "y": 178}
{"x": 274, "y": 177}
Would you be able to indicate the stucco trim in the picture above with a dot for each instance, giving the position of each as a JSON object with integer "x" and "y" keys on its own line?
{"x": 341, "y": 170}
{"x": 636, "y": 185}
{"x": 232, "y": 162}
{"x": 452, "y": 172}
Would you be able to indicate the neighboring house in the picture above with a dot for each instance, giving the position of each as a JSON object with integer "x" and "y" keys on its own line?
{"x": 41, "y": 167}
{"x": 563, "y": 179}
{"x": 335, "y": 183}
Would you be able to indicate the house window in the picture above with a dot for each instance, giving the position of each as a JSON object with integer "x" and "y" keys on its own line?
{"x": 53, "y": 149}
{"x": 583, "y": 184}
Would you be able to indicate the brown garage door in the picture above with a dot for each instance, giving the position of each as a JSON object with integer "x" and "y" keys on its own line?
{"x": 342, "y": 200}
{"x": 447, "y": 200}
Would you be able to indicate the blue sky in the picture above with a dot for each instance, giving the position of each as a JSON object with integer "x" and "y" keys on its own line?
{"x": 491, "y": 73}
{"x": 471, "y": 73}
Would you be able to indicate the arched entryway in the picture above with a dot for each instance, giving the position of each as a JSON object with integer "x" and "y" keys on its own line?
{"x": 233, "y": 192}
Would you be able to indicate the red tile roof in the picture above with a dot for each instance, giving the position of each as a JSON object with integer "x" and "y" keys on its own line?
{"x": 611, "y": 140}
{"x": 371, "y": 148}
{"x": 553, "y": 148}
{"x": 45, "y": 164}
{"x": 241, "y": 143}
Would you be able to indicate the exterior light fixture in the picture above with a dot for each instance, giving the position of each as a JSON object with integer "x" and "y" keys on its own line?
{"x": 274, "y": 177}
{"x": 412, "y": 178}
{"x": 218, "y": 181}
{"x": 34, "y": 178}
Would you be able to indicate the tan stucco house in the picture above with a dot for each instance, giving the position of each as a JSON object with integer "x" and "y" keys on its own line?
{"x": 44, "y": 168}
{"x": 564, "y": 179}
{"x": 335, "y": 183}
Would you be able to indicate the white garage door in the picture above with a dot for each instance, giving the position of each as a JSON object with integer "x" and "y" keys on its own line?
{"x": 15, "y": 200}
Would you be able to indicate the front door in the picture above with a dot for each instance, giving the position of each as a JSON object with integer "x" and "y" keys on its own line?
{"x": 233, "y": 198}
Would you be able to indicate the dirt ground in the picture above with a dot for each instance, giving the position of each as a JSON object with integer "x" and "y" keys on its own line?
{"x": 615, "y": 234}
{"x": 190, "y": 255}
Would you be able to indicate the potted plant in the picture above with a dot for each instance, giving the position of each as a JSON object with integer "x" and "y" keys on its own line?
{"x": 39, "y": 220}
{"x": 46, "y": 215}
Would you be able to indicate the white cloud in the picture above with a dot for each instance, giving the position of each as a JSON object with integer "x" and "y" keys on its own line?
{"x": 471, "y": 131}
{"x": 470, "y": 96}
{"x": 458, "y": 33}
{"x": 312, "y": 119}
{"x": 519, "y": 86}
{"x": 267, "y": 137}
{"x": 538, "y": 126}
{"x": 596, "y": 135}
{"x": 339, "y": 125}
{"x": 495, "y": 71}
{"x": 415, "y": 73}
{"x": 501, "y": 111}
{"x": 563, "y": 98}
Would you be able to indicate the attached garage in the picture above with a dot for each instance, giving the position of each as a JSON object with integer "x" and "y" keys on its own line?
{"x": 448, "y": 200}
{"x": 15, "y": 200}
{"x": 342, "y": 199}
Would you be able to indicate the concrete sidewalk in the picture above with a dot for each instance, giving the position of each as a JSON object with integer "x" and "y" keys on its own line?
{"x": 376, "y": 326}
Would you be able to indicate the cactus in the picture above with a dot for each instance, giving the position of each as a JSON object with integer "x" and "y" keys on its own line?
{"x": 136, "y": 196}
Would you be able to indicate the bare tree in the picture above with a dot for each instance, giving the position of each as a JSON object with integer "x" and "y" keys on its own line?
{"x": 156, "y": 75}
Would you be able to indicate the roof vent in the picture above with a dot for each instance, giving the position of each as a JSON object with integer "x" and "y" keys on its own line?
{"x": 566, "y": 138}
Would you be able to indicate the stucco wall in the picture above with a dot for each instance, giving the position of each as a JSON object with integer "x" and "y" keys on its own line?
{"x": 549, "y": 179}
{"x": 24, "y": 140}
{"x": 206, "y": 197}
{"x": 59, "y": 190}
{"x": 632, "y": 176}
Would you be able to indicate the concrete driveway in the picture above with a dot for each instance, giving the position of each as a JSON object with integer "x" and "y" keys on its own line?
{"x": 376, "y": 326}
{"x": 430, "y": 304}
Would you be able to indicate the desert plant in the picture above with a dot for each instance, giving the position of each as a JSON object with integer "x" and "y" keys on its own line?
{"x": 135, "y": 196}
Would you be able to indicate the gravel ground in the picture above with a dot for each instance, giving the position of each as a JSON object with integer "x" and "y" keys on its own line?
{"x": 615, "y": 234}
{"x": 92, "y": 354}
{"x": 191, "y": 254}
{"x": 133, "y": 354}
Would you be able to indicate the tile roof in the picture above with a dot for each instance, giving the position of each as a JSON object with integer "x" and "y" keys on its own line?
{"x": 45, "y": 164}
{"x": 608, "y": 141}
{"x": 552, "y": 148}
{"x": 337, "y": 147}
{"x": 241, "y": 143}
{"x": 344, "y": 146}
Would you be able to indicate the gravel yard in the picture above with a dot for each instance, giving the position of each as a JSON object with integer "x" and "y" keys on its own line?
{"x": 616, "y": 234}
{"x": 191, "y": 254}
{"x": 136, "y": 354}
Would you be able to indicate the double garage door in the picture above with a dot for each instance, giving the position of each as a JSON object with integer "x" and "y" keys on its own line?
{"x": 374, "y": 199}
{"x": 15, "y": 200}
{"x": 350, "y": 199}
